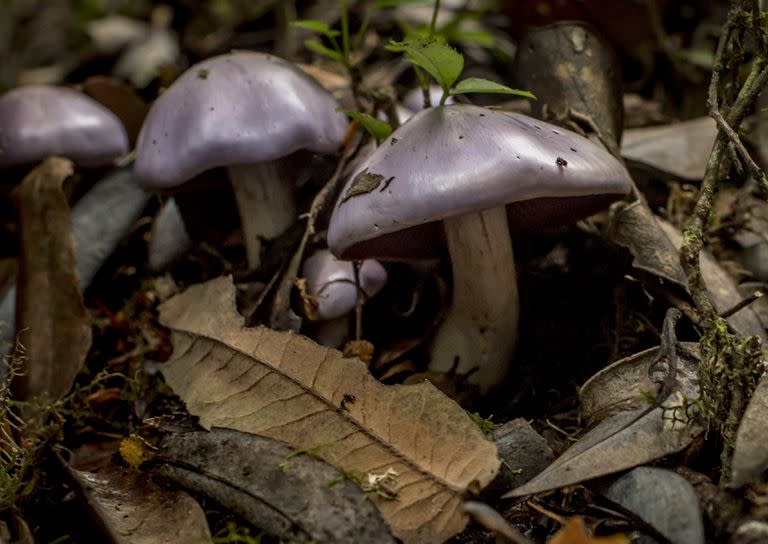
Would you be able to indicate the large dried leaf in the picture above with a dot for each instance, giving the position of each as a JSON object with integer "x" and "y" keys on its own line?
{"x": 131, "y": 509}
{"x": 297, "y": 498}
{"x": 50, "y": 307}
{"x": 286, "y": 387}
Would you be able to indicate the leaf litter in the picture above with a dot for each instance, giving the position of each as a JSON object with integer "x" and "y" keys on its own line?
{"x": 284, "y": 386}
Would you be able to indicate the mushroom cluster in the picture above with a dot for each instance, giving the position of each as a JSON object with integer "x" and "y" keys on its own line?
{"x": 461, "y": 175}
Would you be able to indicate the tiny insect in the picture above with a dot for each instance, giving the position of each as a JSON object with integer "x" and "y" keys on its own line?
{"x": 347, "y": 399}
{"x": 561, "y": 162}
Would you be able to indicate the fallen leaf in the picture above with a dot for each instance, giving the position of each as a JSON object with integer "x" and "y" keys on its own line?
{"x": 628, "y": 438}
{"x": 121, "y": 99}
{"x": 50, "y": 308}
{"x": 624, "y": 385}
{"x": 576, "y": 532}
{"x": 662, "y": 499}
{"x": 493, "y": 521}
{"x": 725, "y": 295}
{"x": 284, "y": 386}
{"x": 681, "y": 149}
{"x": 655, "y": 244}
{"x": 284, "y": 492}
{"x": 750, "y": 456}
{"x": 131, "y": 509}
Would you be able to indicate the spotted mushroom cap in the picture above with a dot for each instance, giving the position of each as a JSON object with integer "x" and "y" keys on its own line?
{"x": 449, "y": 161}
{"x": 239, "y": 108}
{"x": 37, "y": 121}
{"x": 332, "y": 283}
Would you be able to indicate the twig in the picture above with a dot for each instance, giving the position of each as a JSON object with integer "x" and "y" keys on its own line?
{"x": 731, "y": 365}
{"x": 758, "y": 294}
{"x": 280, "y": 312}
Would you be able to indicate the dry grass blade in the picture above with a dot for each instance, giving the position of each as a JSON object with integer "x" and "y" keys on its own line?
{"x": 415, "y": 449}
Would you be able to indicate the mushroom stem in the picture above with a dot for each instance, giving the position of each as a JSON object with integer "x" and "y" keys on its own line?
{"x": 480, "y": 328}
{"x": 266, "y": 203}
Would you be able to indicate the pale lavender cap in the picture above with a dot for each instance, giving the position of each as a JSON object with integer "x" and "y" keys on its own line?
{"x": 239, "y": 108}
{"x": 38, "y": 121}
{"x": 332, "y": 282}
{"x": 450, "y": 161}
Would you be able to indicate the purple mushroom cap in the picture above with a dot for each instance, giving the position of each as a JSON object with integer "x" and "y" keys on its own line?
{"x": 450, "y": 161}
{"x": 239, "y": 108}
{"x": 332, "y": 282}
{"x": 38, "y": 121}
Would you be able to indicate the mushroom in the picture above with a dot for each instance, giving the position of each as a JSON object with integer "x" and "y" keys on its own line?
{"x": 462, "y": 166}
{"x": 332, "y": 293}
{"x": 244, "y": 111}
{"x": 39, "y": 121}
{"x": 331, "y": 283}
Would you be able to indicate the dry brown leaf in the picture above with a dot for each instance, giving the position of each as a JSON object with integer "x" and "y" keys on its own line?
{"x": 286, "y": 387}
{"x": 131, "y": 509}
{"x": 50, "y": 307}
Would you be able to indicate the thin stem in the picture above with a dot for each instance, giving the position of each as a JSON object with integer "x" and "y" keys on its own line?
{"x": 433, "y": 22}
{"x": 345, "y": 31}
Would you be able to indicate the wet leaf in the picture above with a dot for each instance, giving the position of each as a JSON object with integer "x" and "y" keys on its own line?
{"x": 634, "y": 226}
{"x": 289, "y": 494}
{"x": 662, "y": 499}
{"x": 131, "y": 509}
{"x": 50, "y": 308}
{"x": 655, "y": 244}
{"x": 750, "y": 456}
{"x": 284, "y": 386}
{"x": 722, "y": 288}
{"x": 681, "y": 149}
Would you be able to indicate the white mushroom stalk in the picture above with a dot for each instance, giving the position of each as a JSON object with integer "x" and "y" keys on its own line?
{"x": 169, "y": 238}
{"x": 480, "y": 329}
{"x": 265, "y": 199}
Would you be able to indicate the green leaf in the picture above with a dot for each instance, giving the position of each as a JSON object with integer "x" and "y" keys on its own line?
{"x": 438, "y": 58}
{"x": 479, "y": 85}
{"x": 320, "y": 49}
{"x": 377, "y": 128}
{"x": 316, "y": 26}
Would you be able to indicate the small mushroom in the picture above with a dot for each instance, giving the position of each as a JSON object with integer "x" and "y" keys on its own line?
{"x": 244, "y": 111}
{"x": 457, "y": 169}
{"x": 39, "y": 121}
{"x": 332, "y": 292}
